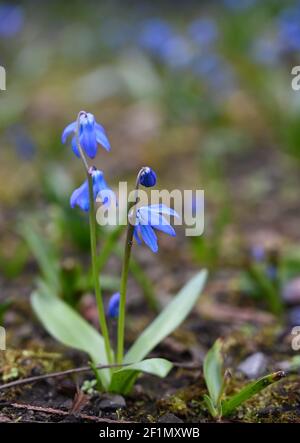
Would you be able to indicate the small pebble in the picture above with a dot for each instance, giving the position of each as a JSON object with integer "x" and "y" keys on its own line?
{"x": 109, "y": 402}
{"x": 169, "y": 418}
{"x": 254, "y": 366}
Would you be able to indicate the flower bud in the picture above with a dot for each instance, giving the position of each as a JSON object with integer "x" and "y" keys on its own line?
{"x": 148, "y": 177}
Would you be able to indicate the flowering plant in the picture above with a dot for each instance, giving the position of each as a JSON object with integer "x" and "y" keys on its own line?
{"x": 66, "y": 325}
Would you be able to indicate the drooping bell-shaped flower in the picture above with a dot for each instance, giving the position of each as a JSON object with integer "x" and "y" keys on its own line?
{"x": 91, "y": 134}
{"x": 148, "y": 177}
{"x": 149, "y": 218}
{"x": 113, "y": 305}
{"x": 80, "y": 196}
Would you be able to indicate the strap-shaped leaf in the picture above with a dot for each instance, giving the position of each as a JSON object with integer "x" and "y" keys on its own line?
{"x": 68, "y": 327}
{"x": 42, "y": 251}
{"x": 228, "y": 406}
{"x": 213, "y": 373}
{"x": 123, "y": 379}
{"x": 168, "y": 320}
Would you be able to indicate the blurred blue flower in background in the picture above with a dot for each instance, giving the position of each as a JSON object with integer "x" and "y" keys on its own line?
{"x": 24, "y": 145}
{"x": 91, "y": 133}
{"x": 113, "y": 305}
{"x": 203, "y": 31}
{"x": 266, "y": 51}
{"x": 258, "y": 253}
{"x": 176, "y": 51}
{"x": 271, "y": 272}
{"x": 216, "y": 72}
{"x": 80, "y": 197}
{"x": 289, "y": 28}
{"x": 154, "y": 33}
{"x": 11, "y": 19}
{"x": 149, "y": 218}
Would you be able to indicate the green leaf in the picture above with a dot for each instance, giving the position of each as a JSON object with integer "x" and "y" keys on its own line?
{"x": 123, "y": 379}
{"x": 213, "y": 373}
{"x": 168, "y": 320}
{"x": 64, "y": 324}
{"x": 228, "y": 406}
{"x": 209, "y": 404}
{"x": 13, "y": 265}
{"x": 43, "y": 253}
{"x": 266, "y": 287}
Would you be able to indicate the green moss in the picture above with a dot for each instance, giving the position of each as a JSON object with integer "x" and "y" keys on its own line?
{"x": 174, "y": 404}
{"x": 16, "y": 364}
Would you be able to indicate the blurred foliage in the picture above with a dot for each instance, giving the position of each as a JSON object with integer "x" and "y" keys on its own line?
{"x": 200, "y": 91}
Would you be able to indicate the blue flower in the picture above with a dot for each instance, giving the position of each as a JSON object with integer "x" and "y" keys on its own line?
{"x": 216, "y": 72}
{"x": 258, "y": 253}
{"x": 289, "y": 28}
{"x": 155, "y": 32}
{"x": 148, "y": 177}
{"x": 80, "y": 196}
{"x": 11, "y": 20}
{"x": 113, "y": 305}
{"x": 271, "y": 272}
{"x": 203, "y": 31}
{"x": 149, "y": 218}
{"x": 176, "y": 52}
{"x": 90, "y": 134}
{"x": 266, "y": 50}
{"x": 24, "y": 145}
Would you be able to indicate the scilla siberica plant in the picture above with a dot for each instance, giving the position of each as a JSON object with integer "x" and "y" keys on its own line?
{"x": 115, "y": 372}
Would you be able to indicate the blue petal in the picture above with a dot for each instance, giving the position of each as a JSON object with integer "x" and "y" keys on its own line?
{"x": 99, "y": 181}
{"x": 101, "y": 189}
{"x": 157, "y": 221}
{"x": 149, "y": 237}
{"x": 90, "y": 134}
{"x": 136, "y": 235}
{"x": 113, "y": 305}
{"x": 167, "y": 229}
{"x": 67, "y": 131}
{"x": 148, "y": 217}
{"x": 80, "y": 197}
{"x": 74, "y": 147}
{"x": 88, "y": 141}
{"x": 163, "y": 209}
{"x": 101, "y": 137}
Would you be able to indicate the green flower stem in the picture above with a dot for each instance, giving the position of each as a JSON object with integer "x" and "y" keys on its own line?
{"x": 100, "y": 304}
{"x": 124, "y": 276}
{"x": 123, "y": 288}
{"x": 96, "y": 278}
